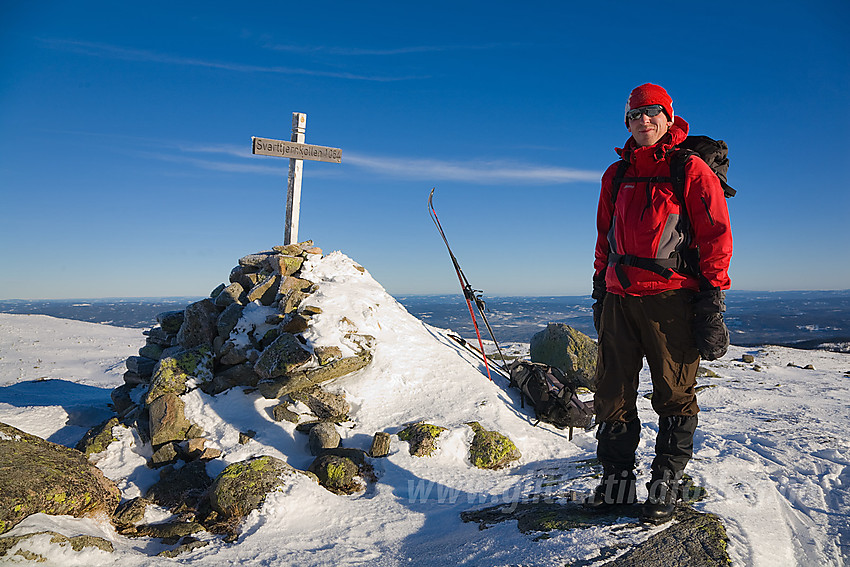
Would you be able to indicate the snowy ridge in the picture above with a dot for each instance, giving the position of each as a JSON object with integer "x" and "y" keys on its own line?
{"x": 772, "y": 448}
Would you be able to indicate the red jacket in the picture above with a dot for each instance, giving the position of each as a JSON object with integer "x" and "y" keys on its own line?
{"x": 646, "y": 216}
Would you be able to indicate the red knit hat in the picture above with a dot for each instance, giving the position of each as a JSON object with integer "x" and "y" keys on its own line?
{"x": 650, "y": 94}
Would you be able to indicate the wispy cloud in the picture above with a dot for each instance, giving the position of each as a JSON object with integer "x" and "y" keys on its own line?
{"x": 482, "y": 172}
{"x": 147, "y": 56}
{"x": 491, "y": 172}
{"x": 403, "y": 50}
{"x": 276, "y": 168}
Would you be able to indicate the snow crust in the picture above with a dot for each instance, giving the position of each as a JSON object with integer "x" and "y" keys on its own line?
{"x": 772, "y": 448}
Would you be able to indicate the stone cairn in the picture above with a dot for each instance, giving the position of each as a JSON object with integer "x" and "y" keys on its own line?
{"x": 216, "y": 344}
{"x": 195, "y": 348}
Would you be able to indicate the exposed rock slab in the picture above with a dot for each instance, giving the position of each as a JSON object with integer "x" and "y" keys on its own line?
{"x": 40, "y": 476}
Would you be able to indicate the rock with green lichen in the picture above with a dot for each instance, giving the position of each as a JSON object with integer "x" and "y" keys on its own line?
{"x": 98, "y": 438}
{"x": 422, "y": 438}
{"x": 130, "y": 512}
{"x": 76, "y": 543}
{"x": 491, "y": 449}
{"x": 180, "y": 488}
{"x": 40, "y": 476}
{"x": 297, "y": 380}
{"x": 283, "y": 264}
{"x": 265, "y": 291}
{"x": 242, "y": 487}
{"x": 284, "y": 355}
{"x": 325, "y": 405}
{"x": 170, "y": 321}
{"x": 172, "y": 373}
{"x": 336, "y": 473}
{"x": 568, "y": 349}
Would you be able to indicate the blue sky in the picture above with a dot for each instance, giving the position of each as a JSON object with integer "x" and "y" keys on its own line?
{"x": 125, "y": 136}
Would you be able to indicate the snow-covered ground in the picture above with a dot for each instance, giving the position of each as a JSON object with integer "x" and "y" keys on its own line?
{"x": 772, "y": 449}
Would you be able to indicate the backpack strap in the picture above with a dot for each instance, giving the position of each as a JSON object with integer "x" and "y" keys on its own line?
{"x": 686, "y": 261}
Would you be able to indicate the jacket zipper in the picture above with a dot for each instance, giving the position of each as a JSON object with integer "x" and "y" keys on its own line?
{"x": 710, "y": 218}
{"x": 648, "y": 199}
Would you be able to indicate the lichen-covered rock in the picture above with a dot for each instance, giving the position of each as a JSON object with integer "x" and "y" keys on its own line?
{"x": 284, "y": 265}
{"x": 199, "y": 324}
{"x": 491, "y": 449}
{"x": 170, "y": 321}
{"x": 570, "y": 350}
{"x": 40, "y": 476}
{"x": 98, "y": 438}
{"x": 242, "y": 486}
{"x": 325, "y": 405}
{"x": 167, "y": 419}
{"x": 182, "y": 488}
{"x": 131, "y": 512}
{"x": 301, "y": 379}
{"x": 422, "y": 438}
{"x": 336, "y": 473}
{"x": 282, "y": 412}
{"x": 173, "y": 372}
{"x": 164, "y": 455}
{"x": 284, "y": 355}
{"x": 234, "y": 293}
{"x": 76, "y": 543}
{"x": 266, "y": 291}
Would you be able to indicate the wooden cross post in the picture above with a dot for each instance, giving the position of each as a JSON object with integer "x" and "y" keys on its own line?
{"x": 296, "y": 151}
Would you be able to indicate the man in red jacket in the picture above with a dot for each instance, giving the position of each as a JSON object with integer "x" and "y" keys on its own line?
{"x": 660, "y": 271}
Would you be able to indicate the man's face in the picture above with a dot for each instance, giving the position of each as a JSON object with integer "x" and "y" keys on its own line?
{"x": 647, "y": 130}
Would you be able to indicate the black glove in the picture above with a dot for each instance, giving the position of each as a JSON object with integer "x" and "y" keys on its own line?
{"x": 600, "y": 290}
{"x": 710, "y": 332}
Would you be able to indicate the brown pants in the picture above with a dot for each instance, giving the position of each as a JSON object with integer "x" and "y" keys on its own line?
{"x": 659, "y": 328}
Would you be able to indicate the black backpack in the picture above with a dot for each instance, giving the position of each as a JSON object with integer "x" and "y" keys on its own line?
{"x": 686, "y": 260}
{"x": 552, "y": 395}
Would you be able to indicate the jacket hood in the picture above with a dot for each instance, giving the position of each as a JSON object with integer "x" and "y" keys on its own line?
{"x": 675, "y": 136}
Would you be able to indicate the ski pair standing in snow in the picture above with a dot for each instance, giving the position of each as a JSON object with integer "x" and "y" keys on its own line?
{"x": 662, "y": 255}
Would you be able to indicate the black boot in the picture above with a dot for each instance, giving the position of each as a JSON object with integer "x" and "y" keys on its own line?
{"x": 616, "y": 445}
{"x": 661, "y": 503}
{"x": 618, "y": 488}
{"x": 674, "y": 447}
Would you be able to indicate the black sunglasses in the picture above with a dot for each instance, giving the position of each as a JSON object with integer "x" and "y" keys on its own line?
{"x": 650, "y": 110}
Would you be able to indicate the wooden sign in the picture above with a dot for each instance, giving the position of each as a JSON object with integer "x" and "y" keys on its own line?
{"x": 296, "y": 151}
